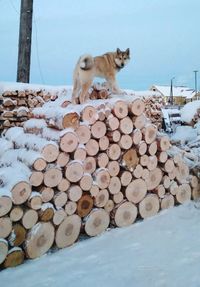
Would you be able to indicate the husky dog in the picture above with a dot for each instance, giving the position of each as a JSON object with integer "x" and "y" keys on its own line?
{"x": 105, "y": 66}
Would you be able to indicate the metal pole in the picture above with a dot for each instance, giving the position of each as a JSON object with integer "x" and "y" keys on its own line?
{"x": 171, "y": 92}
{"x": 195, "y": 81}
{"x": 25, "y": 33}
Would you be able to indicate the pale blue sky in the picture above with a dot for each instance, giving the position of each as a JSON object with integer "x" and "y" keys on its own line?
{"x": 162, "y": 35}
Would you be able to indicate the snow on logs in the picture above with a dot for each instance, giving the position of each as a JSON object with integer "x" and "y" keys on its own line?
{"x": 107, "y": 168}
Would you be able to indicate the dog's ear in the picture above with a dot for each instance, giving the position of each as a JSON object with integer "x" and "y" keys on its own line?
{"x": 127, "y": 51}
{"x": 118, "y": 51}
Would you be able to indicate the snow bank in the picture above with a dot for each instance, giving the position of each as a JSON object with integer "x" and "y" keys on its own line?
{"x": 189, "y": 110}
{"x": 184, "y": 134}
{"x": 162, "y": 251}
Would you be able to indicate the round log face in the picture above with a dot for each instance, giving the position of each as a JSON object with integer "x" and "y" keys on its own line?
{"x": 154, "y": 179}
{"x": 137, "y": 107}
{"x": 5, "y": 227}
{"x": 14, "y": 258}
{"x": 69, "y": 142}
{"x": 50, "y": 152}
{"x": 136, "y": 190}
{"x": 120, "y": 109}
{"x": 52, "y": 177}
{"x": 3, "y": 250}
{"x": 74, "y": 172}
{"x": 85, "y": 205}
{"x": 68, "y": 231}
{"x": 5, "y": 205}
{"x": 21, "y": 192}
{"x": 149, "y": 206}
{"x": 167, "y": 201}
{"x": 98, "y": 130}
{"x": 84, "y": 134}
{"x": 125, "y": 214}
{"x": 97, "y": 222}
{"x": 184, "y": 193}
{"x": 39, "y": 239}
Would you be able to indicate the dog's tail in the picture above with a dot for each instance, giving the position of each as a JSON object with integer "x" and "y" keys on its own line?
{"x": 86, "y": 62}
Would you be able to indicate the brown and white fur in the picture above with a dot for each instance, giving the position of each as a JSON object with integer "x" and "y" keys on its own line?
{"x": 105, "y": 66}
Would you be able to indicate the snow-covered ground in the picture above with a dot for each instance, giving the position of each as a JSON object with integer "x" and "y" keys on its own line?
{"x": 162, "y": 251}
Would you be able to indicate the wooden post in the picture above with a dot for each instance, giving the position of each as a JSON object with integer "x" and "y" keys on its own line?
{"x": 24, "y": 50}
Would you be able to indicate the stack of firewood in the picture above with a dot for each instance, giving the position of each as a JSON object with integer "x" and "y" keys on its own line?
{"x": 154, "y": 104}
{"x": 82, "y": 169}
{"x": 17, "y": 105}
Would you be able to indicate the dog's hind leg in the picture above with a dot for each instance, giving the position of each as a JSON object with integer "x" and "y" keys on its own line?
{"x": 76, "y": 90}
{"x": 84, "y": 95}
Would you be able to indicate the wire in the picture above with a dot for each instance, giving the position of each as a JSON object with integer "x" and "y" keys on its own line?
{"x": 13, "y": 6}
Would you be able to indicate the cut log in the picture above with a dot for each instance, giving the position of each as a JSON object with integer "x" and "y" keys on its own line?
{"x": 126, "y": 126}
{"x": 52, "y": 177}
{"x": 113, "y": 168}
{"x": 98, "y": 129}
{"x": 138, "y": 171}
{"x": 36, "y": 178}
{"x": 154, "y": 178}
{"x": 125, "y": 142}
{"x": 137, "y": 136}
{"x": 86, "y": 182}
{"x": 3, "y": 250}
{"x": 63, "y": 159}
{"x": 92, "y": 147}
{"x": 70, "y": 120}
{"x": 5, "y": 227}
{"x": 137, "y": 107}
{"x": 39, "y": 239}
{"x": 109, "y": 206}
{"x": 125, "y": 214}
{"x": 182, "y": 173}
{"x": 152, "y": 148}
{"x": 114, "y": 185}
{"x": 142, "y": 148}
{"x": 14, "y": 258}
{"x": 5, "y": 205}
{"x": 46, "y": 212}
{"x": 68, "y": 231}
{"x": 94, "y": 190}
{"x": 144, "y": 160}
{"x": 194, "y": 181}
{"x": 89, "y": 115}
{"x": 60, "y": 199}
{"x": 139, "y": 121}
{"x": 39, "y": 164}
{"x": 59, "y": 216}
{"x": 145, "y": 174}
{"x": 102, "y": 159}
{"x": 85, "y": 205}
{"x": 136, "y": 190}
{"x": 21, "y": 192}
{"x": 125, "y": 178}
{"x": 16, "y": 213}
{"x": 101, "y": 198}
{"x": 70, "y": 207}
{"x": 113, "y": 123}
{"x": 114, "y": 152}
{"x": 80, "y": 153}
{"x": 69, "y": 142}
{"x": 167, "y": 201}
{"x": 84, "y": 134}
{"x": 89, "y": 165}
{"x": 102, "y": 178}
{"x": 74, "y": 171}
{"x": 120, "y": 109}
{"x": 114, "y": 136}
{"x": 118, "y": 197}
{"x": 163, "y": 143}
{"x": 149, "y": 206}
{"x": 63, "y": 185}
{"x": 152, "y": 163}
{"x": 160, "y": 191}
{"x": 184, "y": 193}
{"x": 74, "y": 192}
{"x": 103, "y": 143}
{"x": 150, "y": 132}
{"x": 130, "y": 159}
{"x": 97, "y": 222}
{"x": 29, "y": 218}
{"x": 169, "y": 165}
{"x": 162, "y": 156}
{"x": 47, "y": 194}
{"x": 17, "y": 236}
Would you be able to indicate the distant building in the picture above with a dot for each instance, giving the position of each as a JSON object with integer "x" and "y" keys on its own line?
{"x": 181, "y": 95}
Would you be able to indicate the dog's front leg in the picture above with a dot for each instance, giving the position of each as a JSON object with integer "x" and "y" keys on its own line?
{"x": 114, "y": 86}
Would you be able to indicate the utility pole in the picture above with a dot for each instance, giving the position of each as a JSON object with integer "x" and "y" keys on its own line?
{"x": 24, "y": 49}
{"x": 171, "y": 98}
{"x": 195, "y": 81}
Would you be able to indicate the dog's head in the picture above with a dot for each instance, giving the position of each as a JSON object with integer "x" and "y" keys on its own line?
{"x": 122, "y": 58}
